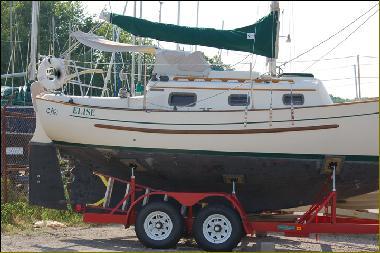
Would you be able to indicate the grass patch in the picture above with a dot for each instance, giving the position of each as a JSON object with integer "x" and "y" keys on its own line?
{"x": 21, "y": 216}
{"x": 17, "y": 214}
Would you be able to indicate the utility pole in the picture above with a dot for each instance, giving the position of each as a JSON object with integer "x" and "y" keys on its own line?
{"x": 275, "y": 6}
{"x": 178, "y": 17}
{"x": 220, "y": 50}
{"x": 197, "y": 20}
{"x": 133, "y": 56}
{"x": 356, "y": 82}
{"x": 159, "y": 20}
{"x": 357, "y": 59}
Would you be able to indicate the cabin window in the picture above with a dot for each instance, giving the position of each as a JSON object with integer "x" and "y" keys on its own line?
{"x": 238, "y": 100}
{"x": 182, "y": 99}
{"x": 298, "y": 99}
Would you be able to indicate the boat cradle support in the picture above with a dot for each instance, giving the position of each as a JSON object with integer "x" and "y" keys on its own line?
{"x": 45, "y": 179}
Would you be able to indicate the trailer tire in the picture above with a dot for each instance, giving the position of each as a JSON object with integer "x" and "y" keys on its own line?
{"x": 217, "y": 228}
{"x": 159, "y": 225}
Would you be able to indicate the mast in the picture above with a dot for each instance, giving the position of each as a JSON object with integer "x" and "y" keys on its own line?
{"x": 197, "y": 20}
{"x": 275, "y": 6}
{"x": 178, "y": 17}
{"x": 33, "y": 40}
{"x": 159, "y": 20}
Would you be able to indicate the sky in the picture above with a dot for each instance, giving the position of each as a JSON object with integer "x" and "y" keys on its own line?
{"x": 308, "y": 23}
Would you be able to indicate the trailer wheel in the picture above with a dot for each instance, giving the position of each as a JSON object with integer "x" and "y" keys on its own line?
{"x": 217, "y": 228}
{"x": 159, "y": 225}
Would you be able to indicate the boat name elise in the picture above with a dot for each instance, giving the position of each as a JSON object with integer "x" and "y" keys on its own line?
{"x": 83, "y": 111}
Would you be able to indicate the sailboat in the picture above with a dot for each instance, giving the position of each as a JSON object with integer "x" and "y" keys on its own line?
{"x": 197, "y": 130}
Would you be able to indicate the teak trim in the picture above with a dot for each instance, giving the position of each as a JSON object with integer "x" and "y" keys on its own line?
{"x": 225, "y": 79}
{"x": 238, "y": 131}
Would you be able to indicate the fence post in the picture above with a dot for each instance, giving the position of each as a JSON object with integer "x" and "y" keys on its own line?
{"x": 4, "y": 165}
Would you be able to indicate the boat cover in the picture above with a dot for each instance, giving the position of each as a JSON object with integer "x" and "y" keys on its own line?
{"x": 259, "y": 38}
{"x": 102, "y": 44}
{"x": 182, "y": 63}
{"x": 168, "y": 62}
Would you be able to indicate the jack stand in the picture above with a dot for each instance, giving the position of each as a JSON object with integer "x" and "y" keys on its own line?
{"x": 233, "y": 187}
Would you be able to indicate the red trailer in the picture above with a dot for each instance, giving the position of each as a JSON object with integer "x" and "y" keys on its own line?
{"x": 216, "y": 220}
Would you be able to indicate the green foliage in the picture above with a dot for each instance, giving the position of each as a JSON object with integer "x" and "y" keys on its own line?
{"x": 217, "y": 64}
{"x": 64, "y": 14}
{"x": 67, "y": 15}
{"x": 340, "y": 100}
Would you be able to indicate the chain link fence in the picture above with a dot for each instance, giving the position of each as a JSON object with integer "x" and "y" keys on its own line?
{"x": 17, "y": 128}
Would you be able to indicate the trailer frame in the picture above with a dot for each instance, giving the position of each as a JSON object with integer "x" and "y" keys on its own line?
{"x": 310, "y": 222}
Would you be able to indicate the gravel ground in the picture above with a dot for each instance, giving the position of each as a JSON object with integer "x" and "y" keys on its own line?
{"x": 116, "y": 238}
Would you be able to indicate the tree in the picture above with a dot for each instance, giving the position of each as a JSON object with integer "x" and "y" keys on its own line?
{"x": 217, "y": 64}
{"x": 64, "y": 14}
{"x": 67, "y": 16}
{"x": 340, "y": 100}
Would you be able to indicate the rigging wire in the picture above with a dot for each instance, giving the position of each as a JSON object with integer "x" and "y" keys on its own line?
{"x": 345, "y": 66}
{"x": 365, "y": 21}
{"x": 330, "y": 37}
{"x": 329, "y": 59}
{"x": 337, "y": 58}
{"x": 240, "y": 61}
{"x": 348, "y": 78}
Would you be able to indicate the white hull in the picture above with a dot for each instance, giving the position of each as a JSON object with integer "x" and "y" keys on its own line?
{"x": 344, "y": 129}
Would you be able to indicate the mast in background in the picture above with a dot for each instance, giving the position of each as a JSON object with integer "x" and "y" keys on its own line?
{"x": 358, "y": 66}
{"x": 139, "y": 64}
{"x": 220, "y": 50}
{"x": 133, "y": 69}
{"x": 275, "y": 6}
{"x": 356, "y": 82}
{"x": 33, "y": 40}
{"x": 11, "y": 39}
{"x": 117, "y": 67}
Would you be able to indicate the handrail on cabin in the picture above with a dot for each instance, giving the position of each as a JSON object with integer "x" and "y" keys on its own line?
{"x": 225, "y": 79}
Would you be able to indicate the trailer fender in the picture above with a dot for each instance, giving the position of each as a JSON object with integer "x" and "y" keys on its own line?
{"x": 190, "y": 199}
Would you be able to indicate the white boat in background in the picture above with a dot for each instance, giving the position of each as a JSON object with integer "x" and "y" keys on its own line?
{"x": 195, "y": 129}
